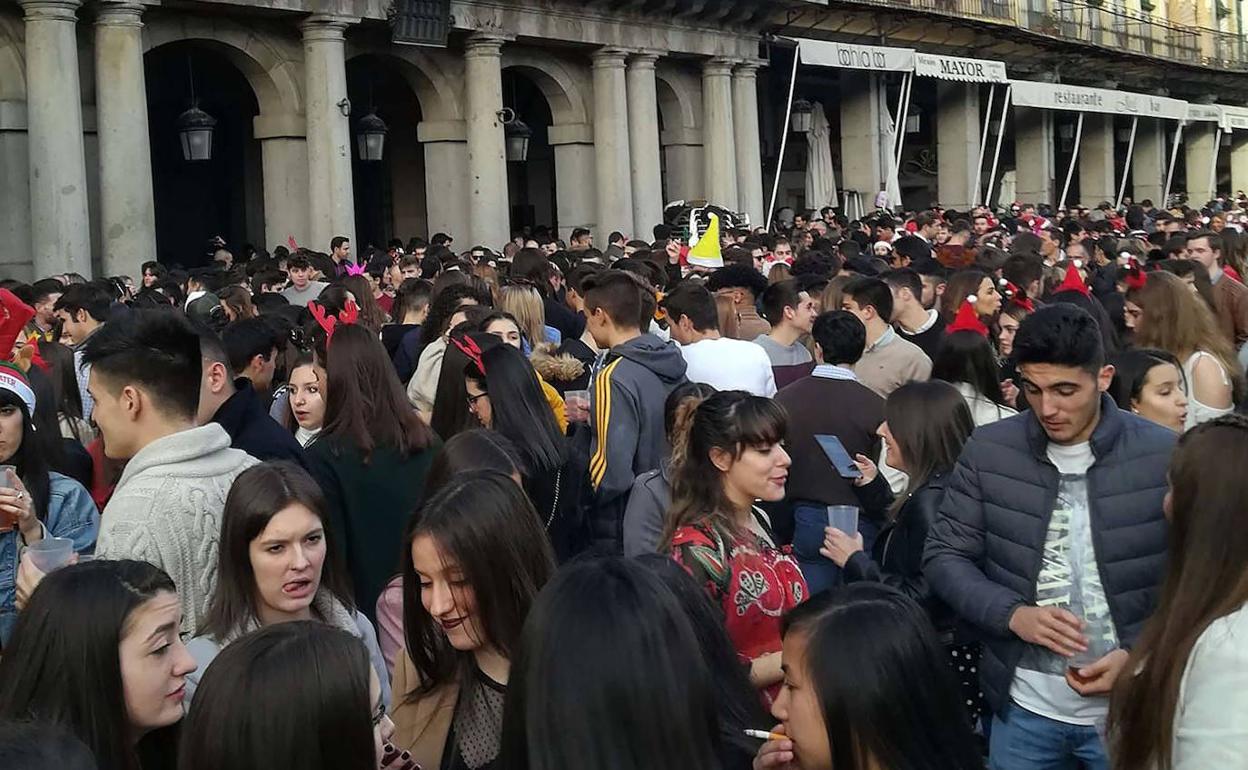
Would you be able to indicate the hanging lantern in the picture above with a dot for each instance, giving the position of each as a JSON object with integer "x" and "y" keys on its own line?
{"x": 517, "y": 134}
{"x": 370, "y": 137}
{"x": 802, "y": 116}
{"x": 195, "y": 128}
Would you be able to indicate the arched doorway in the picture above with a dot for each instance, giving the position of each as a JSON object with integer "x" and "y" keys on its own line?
{"x": 531, "y": 183}
{"x": 199, "y": 200}
{"x": 390, "y": 197}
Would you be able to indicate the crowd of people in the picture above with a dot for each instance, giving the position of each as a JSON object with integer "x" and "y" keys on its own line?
{"x": 942, "y": 490}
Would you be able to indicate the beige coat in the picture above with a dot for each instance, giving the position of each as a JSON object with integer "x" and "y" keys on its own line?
{"x": 421, "y": 724}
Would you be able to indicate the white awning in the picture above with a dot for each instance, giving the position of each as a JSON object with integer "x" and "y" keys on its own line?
{"x": 827, "y": 53}
{"x": 1057, "y": 96}
{"x": 1203, "y": 113}
{"x": 1235, "y": 118}
{"x": 959, "y": 68}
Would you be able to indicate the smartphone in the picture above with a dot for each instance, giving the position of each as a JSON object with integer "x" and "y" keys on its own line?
{"x": 840, "y": 459}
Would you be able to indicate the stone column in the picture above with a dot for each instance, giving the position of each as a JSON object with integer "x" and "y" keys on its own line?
{"x": 749, "y": 149}
{"x": 446, "y": 187}
{"x": 60, "y": 230}
{"x": 1239, "y": 162}
{"x": 1097, "y": 172}
{"x": 127, "y": 212}
{"x": 862, "y": 166}
{"x": 284, "y": 159}
{"x": 1033, "y": 155}
{"x": 1148, "y": 167}
{"x": 1200, "y": 143}
{"x": 718, "y": 133}
{"x": 686, "y": 176}
{"x": 331, "y": 196}
{"x": 958, "y": 133}
{"x": 576, "y": 195}
{"x": 643, "y": 145}
{"x": 489, "y": 214}
{"x": 15, "y": 252}
{"x": 611, "y": 139}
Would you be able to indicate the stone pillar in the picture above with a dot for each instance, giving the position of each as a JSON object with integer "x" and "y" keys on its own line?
{"x": 127, "y": 211}
{"x": 1200, "y": 143}
{"x": 15, "y": 253}
{"x": 446, "y": 188}
{"x": 284, "y": 159}
{"x": 682, "y": 151}
{"x": 489, "y": 213}
{"x": 718, "y": 133}
{"x": 862, "y": 159}
{"x": 1097, "y": 172}
{"x": 1239, "y": 162}
{"x": 60, "y": 230}
{"x": 749, "y": 149}
{"x": 1033, "y": 155}
{"x": 1148, "y": 167}
{"x": 958, "y": 133}
{"x": 611, "y": 139}
{"x": 331, "y": 196}
{"x": 643, "y": 145}
{"x": 576, "y": 195}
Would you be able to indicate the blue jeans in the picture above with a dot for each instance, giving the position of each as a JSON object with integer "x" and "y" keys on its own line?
{"x": 1027, "y": 741}
{"x": 809, "y": 521}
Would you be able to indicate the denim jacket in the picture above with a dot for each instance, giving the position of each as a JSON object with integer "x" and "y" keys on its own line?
{"x": 72, "y": 514}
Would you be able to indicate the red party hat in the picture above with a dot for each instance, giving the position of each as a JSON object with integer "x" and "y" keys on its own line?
{"x": 967, "y": 320}
{"x": 1073, "y": 282}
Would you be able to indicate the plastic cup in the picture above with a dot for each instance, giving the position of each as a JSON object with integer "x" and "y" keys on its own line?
{"x": 576, "y": 403}
{"x": 8, "y": 521}
{"x": 844, "y": 518}
{"x": 51, "y": 553}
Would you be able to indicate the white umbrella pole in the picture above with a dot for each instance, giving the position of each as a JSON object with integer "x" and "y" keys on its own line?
{"x": 784, "y": 137}
{"x": 1074, "y": 159}
{"x": 996, "y": 154}
{"x": 1174, "y": 158}
{"x": 1126, "y": 168}
{"x": 1213, "y": 164}
{"x": 983, "y": 145}
{"x": 903, "y": 111}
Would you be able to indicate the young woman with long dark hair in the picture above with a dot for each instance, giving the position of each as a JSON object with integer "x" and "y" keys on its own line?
{"x": 64, "y": 380}
{"x": 866, "y": 687}
{"x": 609, "y": 675}
{"x": 476, "y": 558}
{"x": 925, "y": 426}
{"x": 504, "y": 393}
{"x": 445, "y": 313}
{"x": 727, "y": 454}
{"x": 965, "y": 283}
{"x": 371, "y": 313}
{"x": 306, "y": 394}
{"x": 277, "y": 564}
{"x": 1181, "y": 702}
{"x": 298, "y": 695}
{"x": 452, "y": 413}
{"x": 967, "y": 361}
{"x": 736, "y": 701}
{"x": 97, "y": 652}
{"x": 35, "y": 501}
{"x": 1150, "y": 383}
{"x": 504, "y": 325}
{"x": 370, "y": 459}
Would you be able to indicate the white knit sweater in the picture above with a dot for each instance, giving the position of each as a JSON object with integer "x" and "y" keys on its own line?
{"x": 166, "y": 510}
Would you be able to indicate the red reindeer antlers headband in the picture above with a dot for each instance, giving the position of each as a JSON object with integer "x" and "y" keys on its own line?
{"x": 349, "y": 315}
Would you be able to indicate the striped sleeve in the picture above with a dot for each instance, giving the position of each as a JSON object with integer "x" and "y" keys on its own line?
{"x": 602, "y": 421}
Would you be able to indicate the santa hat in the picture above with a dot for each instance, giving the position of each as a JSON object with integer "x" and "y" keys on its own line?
{"x": 13, "y": 379}
{"x": 1017, "y": 296}
{"x": 14, "y": 315}
{"x": 967, "y": 320}
{"x": 1073, "y": 282}
{"x": 1133, "y": 273}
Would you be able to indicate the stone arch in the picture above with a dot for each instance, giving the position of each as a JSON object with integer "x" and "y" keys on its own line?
{"x": 272, "y": 65}
{"x": 437, "y": 80}
{"x": 12, "y": 58}
{"x": 680, "y": 97}
{"x": 565, "y": 86}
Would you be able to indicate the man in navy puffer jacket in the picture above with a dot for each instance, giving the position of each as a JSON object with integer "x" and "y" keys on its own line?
{"x": 1052, "y": 540}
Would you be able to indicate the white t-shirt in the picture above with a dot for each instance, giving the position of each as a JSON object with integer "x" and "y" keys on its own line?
{"x": 1069, "y": 578}
{"x": 729, "y": 364}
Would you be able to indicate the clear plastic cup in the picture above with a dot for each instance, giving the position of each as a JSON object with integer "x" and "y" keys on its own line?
{"x": 576, "y": 404}
{"x": 51, "y": 553}
{"x": 844, "y": 518}
{"x": 8, "y": 522}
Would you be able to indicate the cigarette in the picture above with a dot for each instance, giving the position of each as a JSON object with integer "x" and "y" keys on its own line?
{"x": 763, "y": 735}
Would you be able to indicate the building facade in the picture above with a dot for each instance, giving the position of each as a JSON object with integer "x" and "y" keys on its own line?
{"x": 630, "y": 103}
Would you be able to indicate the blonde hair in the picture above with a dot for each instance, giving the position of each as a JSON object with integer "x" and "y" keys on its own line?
{"x": 1175, "y": 319}
{"x": 525, "y": 303}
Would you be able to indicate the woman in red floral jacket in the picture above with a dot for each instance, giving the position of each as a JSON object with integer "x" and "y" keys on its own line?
{"x": 727, "y": 455}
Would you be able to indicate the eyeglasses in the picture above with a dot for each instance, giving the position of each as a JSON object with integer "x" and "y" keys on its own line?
{"x": 472, "y": 400}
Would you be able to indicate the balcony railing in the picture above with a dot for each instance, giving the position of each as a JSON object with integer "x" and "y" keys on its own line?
{"x": 1096, "y": 23}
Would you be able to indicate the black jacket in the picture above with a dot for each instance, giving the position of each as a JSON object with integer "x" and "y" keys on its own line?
{"x": 985, "y": 548}
{"x": 897, "y": 556}
{"x": 252, "y": 430}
